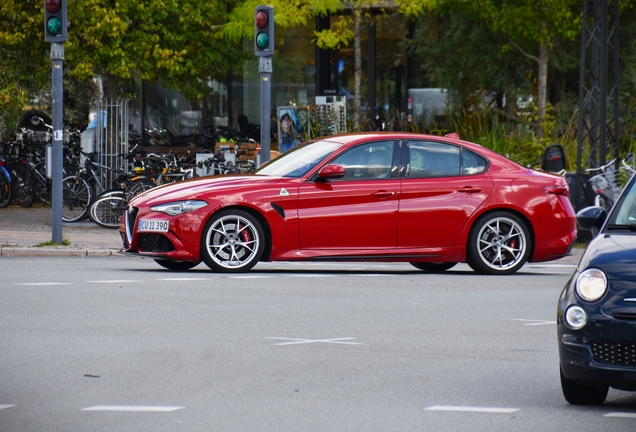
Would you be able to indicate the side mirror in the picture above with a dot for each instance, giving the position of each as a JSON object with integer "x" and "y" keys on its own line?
{"x": 591, "y": 218}
{"x": 331, "y": 171}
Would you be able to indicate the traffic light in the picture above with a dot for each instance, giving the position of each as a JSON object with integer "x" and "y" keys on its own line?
{"x": 264, "y": 31}
{"x": 55, "y": 20}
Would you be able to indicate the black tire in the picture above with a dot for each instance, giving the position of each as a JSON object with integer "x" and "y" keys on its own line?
{"x": 77, "y": 195}
{"x": 433, "y": 267}
{"x": 582, "y": 395}
{"x": 176, "y": 265}
{"x": 5, "y": 190}
{"x": 499, "y": 244}
{"x": 23, "y": 191}
{"x": 108, "y": 209}
{"x": 232, "y": 242}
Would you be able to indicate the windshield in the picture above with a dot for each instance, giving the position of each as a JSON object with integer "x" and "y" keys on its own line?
{"x": 300, "y": 160}
{"x": 625, "y": 211}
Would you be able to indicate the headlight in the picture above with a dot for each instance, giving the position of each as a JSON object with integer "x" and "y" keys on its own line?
{"x": 591, "y": 284}
{"x": 179, "y": 207}
{"x": 575, "y": 317}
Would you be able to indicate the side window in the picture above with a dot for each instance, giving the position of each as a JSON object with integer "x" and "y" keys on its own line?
{"x": 430, "y": 159}
{"x": 472, "y": 163}
{"x": 367, "y": 161}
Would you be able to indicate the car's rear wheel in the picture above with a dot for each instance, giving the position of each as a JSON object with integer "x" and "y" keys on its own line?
{"x": 232, "y": 241}
{"x": 499, "y": 243}
{"x": 176, "y": 265}
{"x": 433, "y": 267}
{"x": 582, "y": 395}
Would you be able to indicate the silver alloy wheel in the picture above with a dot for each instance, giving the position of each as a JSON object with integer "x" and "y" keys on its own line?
{"x": 232, "y": 241}
{"x": 501, "y": 243}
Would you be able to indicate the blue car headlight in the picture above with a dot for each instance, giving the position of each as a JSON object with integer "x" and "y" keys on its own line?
{"x": 591, "y": 284}
{"x": 178, "y": 207}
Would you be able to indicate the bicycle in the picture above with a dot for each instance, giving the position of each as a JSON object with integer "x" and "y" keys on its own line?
{"x": 609, "y": 182}
{"x": 5, "y": 185}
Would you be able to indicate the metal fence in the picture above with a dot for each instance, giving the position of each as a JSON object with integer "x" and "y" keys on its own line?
{"x": 111, "y": 136}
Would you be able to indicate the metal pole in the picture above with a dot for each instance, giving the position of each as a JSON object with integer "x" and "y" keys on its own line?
{"x": 57, "y": 61}
{"x": 265, "y": 69}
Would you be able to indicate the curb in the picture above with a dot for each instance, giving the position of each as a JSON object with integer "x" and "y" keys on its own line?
{"x": 44, "y": 252}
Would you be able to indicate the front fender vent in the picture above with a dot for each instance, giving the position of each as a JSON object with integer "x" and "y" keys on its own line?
{"x": 278, "y": 209}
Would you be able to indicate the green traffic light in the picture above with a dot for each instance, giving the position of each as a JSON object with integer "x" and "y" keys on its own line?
{"x": 262, "y": 40}
{"x": 54, "y": 26}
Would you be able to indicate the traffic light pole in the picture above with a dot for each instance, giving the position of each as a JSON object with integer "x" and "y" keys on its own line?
{"x": 57, "y": 61}
{"x": 265, "y": 70}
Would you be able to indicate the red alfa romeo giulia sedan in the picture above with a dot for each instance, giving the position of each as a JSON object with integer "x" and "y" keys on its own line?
{"x": 427, "y": 200}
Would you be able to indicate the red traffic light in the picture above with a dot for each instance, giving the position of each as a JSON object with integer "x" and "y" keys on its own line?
{"x": 53, "y": 5}
{"x": 261, "y": 19}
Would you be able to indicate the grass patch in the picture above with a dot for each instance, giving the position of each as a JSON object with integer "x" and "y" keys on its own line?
{"x": 65, "y": 242}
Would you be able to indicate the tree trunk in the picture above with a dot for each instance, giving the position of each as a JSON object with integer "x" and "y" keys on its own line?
{"x": 542, "y": 84}
{"x": 357, "y": 114}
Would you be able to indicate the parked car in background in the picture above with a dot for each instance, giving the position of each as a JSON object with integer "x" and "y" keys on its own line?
{"x": 596, "y": 317}
{"x": 428, "y": 200}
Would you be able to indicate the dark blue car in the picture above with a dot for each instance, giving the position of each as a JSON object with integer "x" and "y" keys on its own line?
{"x": 596, "y": 316}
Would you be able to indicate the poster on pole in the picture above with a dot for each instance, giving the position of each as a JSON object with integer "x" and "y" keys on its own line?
{"x": 289, "y": 128}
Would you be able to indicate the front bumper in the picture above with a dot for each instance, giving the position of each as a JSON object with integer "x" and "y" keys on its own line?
{"x": 180, "y": 243}
{"x": 598, "y": 362}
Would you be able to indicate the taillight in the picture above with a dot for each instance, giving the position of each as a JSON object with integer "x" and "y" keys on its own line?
{"x": 557, "y": 190}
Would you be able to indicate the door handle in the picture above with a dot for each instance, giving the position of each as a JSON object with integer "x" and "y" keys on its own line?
{"x": 469, "y": 190}
{"x": 383, "y": 194}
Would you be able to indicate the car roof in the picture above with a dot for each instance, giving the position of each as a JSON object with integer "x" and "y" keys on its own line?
{"x": 346, "y": 138}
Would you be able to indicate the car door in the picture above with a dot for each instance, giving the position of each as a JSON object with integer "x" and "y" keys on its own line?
{"x": 358, "y": 211}
{"x": 442, "y": 186}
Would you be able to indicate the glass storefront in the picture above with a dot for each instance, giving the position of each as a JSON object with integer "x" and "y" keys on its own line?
{"x": 295, "y": 83}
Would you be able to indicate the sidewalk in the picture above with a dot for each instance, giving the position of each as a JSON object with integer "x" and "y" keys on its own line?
{"x": 23, "y": 229}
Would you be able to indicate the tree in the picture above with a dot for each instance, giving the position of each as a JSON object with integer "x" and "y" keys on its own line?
{"x": 532, "y": 27}
{"x": 175, "y": 41}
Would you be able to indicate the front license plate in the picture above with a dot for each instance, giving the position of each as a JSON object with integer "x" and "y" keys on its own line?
{"x": 153, "y": 225}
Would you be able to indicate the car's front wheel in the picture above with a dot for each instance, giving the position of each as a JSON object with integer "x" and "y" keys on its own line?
{"x": 499, "y": 243}
{"x": 232, "y": 241}
{"x": 433, "y": 267}
{"x": 582, "y": 395}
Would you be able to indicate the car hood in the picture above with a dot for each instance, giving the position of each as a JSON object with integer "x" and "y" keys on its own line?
{"x": 191, "y": 189}
{"x": 615, "y": 254}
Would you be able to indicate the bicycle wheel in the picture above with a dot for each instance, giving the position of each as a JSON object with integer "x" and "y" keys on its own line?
{"x": 23, "y": 190}
{"x": 107, "y": 210}
{"x": 5, "y": 189}
{"x": 76, "y": 197}
{"x": 42, "y": 189}
{"x": 140, "y": 186}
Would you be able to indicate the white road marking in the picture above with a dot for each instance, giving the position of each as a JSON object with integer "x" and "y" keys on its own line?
{"x": 182, "y": 279}
{"x": 44, "y": 283}
{"x": 294, "y": 341}
{"x": 620, "y": 414}
{"x": 114, "y": 281}
{"x": 552, "y": 265}
{"x": 5, "y": 406}
{"x": 472, "y": 409}
{"x": 249, "y": 277}
{"x": 530, "y": 322}
{"x": 133, "y": 408}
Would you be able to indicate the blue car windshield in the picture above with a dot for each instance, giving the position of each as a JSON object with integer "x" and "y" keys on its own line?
{"x": 300, "y": 160}
{"x": 624, "y": 213}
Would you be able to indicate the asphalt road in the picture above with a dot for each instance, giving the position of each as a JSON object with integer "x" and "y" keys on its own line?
{"x": 119, "y": 344}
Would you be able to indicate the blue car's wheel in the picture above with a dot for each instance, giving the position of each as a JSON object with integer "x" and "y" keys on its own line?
{"x": 581, "y": 394}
